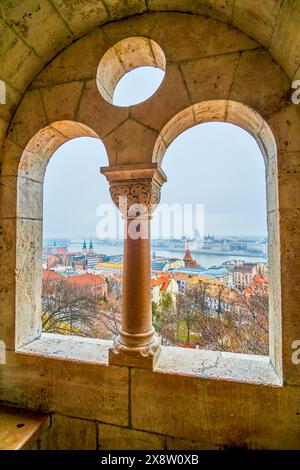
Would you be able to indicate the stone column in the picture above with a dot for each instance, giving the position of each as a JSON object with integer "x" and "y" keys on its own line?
{"x": 136, "y": 192}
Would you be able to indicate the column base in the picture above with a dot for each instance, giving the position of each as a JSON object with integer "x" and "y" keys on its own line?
{"x": 143, "y": 356}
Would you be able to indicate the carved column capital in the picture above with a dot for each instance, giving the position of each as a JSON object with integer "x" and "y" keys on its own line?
{"x": 137, "y": 186}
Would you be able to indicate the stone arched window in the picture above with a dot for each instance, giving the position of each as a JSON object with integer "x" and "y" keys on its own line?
{"x": 31, "y": 172}
{"x": 230, "y": 61}
{"x": 200, "y": 85}
{"x": 246, "y": 118}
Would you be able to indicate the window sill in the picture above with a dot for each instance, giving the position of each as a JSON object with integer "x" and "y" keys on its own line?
{"x": 171, "y": 360}
{"x": 217, "y": 365}
{"x": 69, "y": 348}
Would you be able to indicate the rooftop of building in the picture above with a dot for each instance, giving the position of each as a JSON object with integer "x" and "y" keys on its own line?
{"x": 87, "y": 279}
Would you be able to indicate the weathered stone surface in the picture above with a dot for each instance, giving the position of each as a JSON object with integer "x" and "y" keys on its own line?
{"x": 8, "y": 196}
{"x": 168, "y": 5}
{"x": 262, "y": 19}
{"x": 86, "y": 15}
{"x": 210, "y": 78}
{"x": 272, "y": 187}
{"x": 175, "y": 443}
{"x": 290, "y": 289}
{"x": 122, "y": 149}
{"x": 40, "y": 148}
{"x": 170, "y": 98}
{"x": 137, "y": 52}
{"x": 12, "y": 97}
{"x": 178, "y": 124}
{"x": 73, "y": 348}
{"x": 3, "y": 129}
{"x": 257, "y": 67}
{"x": 69, "y": 434}
{"x": 211, "y": 111}
{"x": 140, "y": 25}
{"x": 23, "y": 127}
{"x": 7, "y": 281}
{"x": 18, "y": 63}
{"x": 139, "y": 359}
{"x": 35, "y": 157}
{"x": 244, "y": 415}
{"x": 289, "y": 180}
{"x": 30, "y": 198}
{"x": 95, "y": 112}
{"x": 130, "y": 7}
{"x": 28, "y": 280}
{"x": 284, "y": 124}
{"x": 117, "y": 438}
{"x": 70, "y": 388}
{"x": 245, "y": 117}
{"x": 219, "y": 9}
{"x": 215, "y": 364}
{"x": 190, "y": 41}
{"x": 275, "y": 308}
{"x": 67, "y": 67}
{"x": 267, "y": 143}
{"x": 62, "y": 101}
{"x": 39, "y": 25}
{"x": 94, "y": 392}
{"x": 284, "y": 44}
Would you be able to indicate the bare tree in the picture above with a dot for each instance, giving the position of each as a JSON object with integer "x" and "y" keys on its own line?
{"x": 238, "y": 322}
{"x": 69, "y": 309}
{"x": 165, "y": 320}
{"x": 189, "y": 307}
{"x": 111, "y": 315}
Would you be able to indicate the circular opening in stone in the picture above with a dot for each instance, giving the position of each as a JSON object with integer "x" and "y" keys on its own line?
{"x": 137, "y": 86}
{"x": 131, "y": 71}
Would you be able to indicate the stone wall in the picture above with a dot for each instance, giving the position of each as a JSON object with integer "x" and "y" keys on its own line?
{"x": 213, "y": 71}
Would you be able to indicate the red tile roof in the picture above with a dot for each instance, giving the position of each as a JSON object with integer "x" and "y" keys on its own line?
{"x": 87, "y": 280}
{"x": 50, "y": 275}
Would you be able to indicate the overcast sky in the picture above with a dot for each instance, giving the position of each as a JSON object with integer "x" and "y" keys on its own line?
{"x": 215, "y": 164}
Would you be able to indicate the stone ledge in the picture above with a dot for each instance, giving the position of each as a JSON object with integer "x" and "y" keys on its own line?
{"x": 171, "y": 360}
{"x": 71, "y": 348}
{"x": 217, "y": 365}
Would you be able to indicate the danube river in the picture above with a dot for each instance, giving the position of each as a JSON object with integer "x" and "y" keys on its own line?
{"x": 205, "y": 260}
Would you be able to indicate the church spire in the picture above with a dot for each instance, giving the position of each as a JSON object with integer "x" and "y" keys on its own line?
{"x": 188, "y": 260}
{"x": 84, "y": 248}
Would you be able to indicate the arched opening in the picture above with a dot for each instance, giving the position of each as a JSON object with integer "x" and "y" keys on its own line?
{"x": 226, "y": 297}
{"x": 68, "y": 144}
{"x": 131, "y": 71}
{"x": 82, "y": 262}
{"x": 214, "y": 293}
